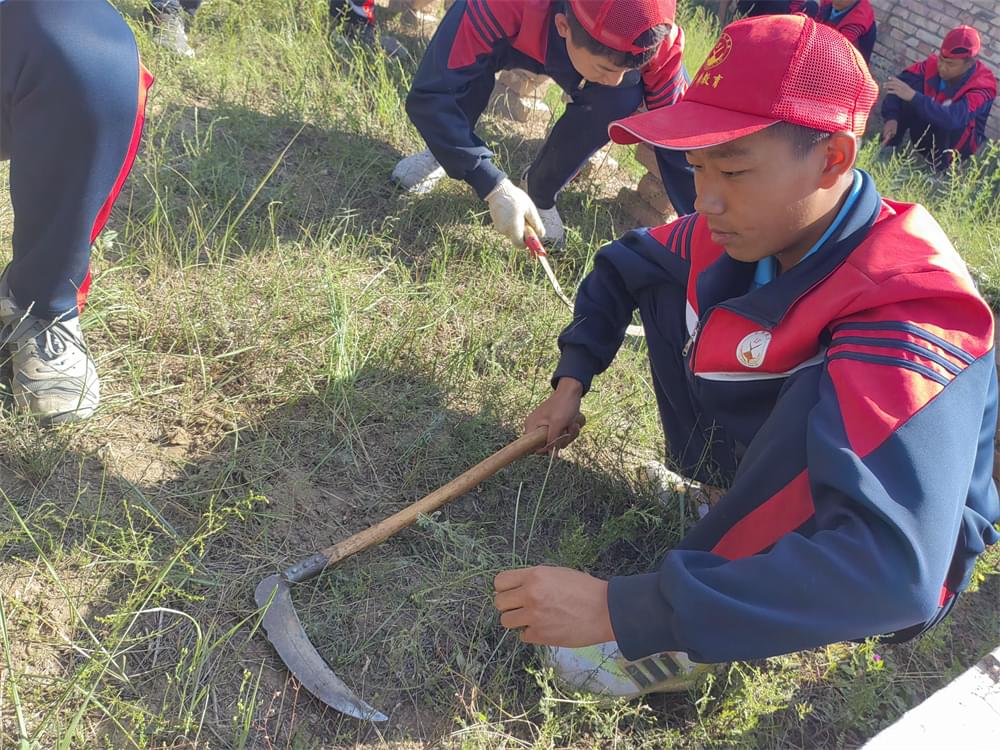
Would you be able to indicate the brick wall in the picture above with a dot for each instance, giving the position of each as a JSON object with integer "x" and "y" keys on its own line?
{"x": 909, "y": 30}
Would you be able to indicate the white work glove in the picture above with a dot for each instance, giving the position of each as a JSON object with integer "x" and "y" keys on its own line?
{"x": 510, "y": 208}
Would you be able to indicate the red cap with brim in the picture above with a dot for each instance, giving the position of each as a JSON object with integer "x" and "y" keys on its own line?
{"x": 961, "y": 42}
{"x": 690, "y": 126}
{"x": 763, "y": 70}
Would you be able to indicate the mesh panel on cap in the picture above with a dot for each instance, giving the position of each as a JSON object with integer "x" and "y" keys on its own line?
{"x": 827, "y": 86}
{"x": 627, "y": 20}
{"x": 617, "y": 23}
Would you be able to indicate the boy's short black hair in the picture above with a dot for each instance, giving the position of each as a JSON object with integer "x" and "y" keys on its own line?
{"x": 649, "y": 40}
{"x": 801, "y": 138}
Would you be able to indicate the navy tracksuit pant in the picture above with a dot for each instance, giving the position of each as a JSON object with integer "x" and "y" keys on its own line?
{"x": 72, "y": 98}
{"x": 702, "y": 449}
{"x": 581, "y": 131}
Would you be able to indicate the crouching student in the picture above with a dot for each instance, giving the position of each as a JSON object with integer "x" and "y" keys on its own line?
{"x": 942, "y": 102}
{"x": 610, "y": 56}
{"x": 821, "y": 347}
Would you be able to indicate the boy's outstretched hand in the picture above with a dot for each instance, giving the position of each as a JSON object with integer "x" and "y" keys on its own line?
{"x": 900, "y": 88}
{"x": 560, "y": 412}
{"x": 554, "y": 606}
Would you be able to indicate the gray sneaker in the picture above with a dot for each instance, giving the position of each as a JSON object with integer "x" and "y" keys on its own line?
{"x": 53, "y": 376}
{"x": 170, "y": 33}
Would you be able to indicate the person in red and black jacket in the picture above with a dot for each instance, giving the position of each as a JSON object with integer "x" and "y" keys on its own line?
{"x": 751, "y": 8}
{"x": 358, "y": 17}
{"x": 943, "y": 101}
{"x": 855, "y": 19}
{"x": 72, "y": 107}
{"x": 609, "y": 56}
{"x": 820, "y": 350}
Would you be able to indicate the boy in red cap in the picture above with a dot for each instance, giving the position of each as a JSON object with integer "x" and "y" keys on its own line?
{"x": 816, "y": 348}
{"x": 855, "y": 19}
{"x": 943, "y": 101}
{"x": 609, "y": 56}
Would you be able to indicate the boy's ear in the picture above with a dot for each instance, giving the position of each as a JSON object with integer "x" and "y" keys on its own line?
{"x": 562, "y": 25}
{"x": 840, "y": 151}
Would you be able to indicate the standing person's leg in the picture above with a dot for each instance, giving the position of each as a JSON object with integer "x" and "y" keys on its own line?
{"x": 72, "y": 98}
{"x": 169, "y": 21}
{"x": 576, "y": 136}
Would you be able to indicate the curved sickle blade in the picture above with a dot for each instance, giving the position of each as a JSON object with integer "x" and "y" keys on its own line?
{"x": 286, "y": 634}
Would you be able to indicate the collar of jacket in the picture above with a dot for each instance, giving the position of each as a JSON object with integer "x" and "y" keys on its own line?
{"x": 726, "y": 281}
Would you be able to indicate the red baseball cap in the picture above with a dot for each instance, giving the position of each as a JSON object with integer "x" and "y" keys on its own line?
{"x": 763, "y": 70}
{"x": 618, "y": 23}
{"x": 961, "y": 42}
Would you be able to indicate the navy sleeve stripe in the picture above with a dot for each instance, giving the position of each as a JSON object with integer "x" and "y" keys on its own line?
{"x": 471, "y": 15}
{"x": 668, "y": 85}
{"x": 652, "y": 100}
{"x": 913, "y": 329}
{"x": 660, "y": 101}
{"x": 486, "y": 12}
{"x": 906, "y": 364}
{"x": 480, "y": 21}
{"x": 907, "y": 346}
{"x": 671, "y": 238}
{"x": 689, "y": 223}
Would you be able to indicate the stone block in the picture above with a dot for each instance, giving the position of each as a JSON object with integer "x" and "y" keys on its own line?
{"x": 645, "y": 155}
{"x": 523, "y": 83}
{"x": 419, "y": 15}
{"x": 651, "y": 190}
{"x": 505, "y": 103}
{"x": 643, "y": 214}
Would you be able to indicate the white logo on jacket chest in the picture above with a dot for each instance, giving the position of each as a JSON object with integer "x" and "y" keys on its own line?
{"x": 752, "y": 348}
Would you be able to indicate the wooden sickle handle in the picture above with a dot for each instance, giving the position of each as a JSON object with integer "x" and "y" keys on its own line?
{"x": 384, "y": 529}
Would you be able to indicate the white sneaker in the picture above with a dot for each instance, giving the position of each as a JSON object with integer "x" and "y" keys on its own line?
{"x": 602, "y": 670}
{"x": 555, "y": 232}
{"x": 671, "y": 487}
{"x": 418, "y": 173}
{"x": 170, "y": 33}
{"x": 52, "y": 374}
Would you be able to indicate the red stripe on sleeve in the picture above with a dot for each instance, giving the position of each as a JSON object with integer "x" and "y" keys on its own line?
{"x": 780, "y": 514}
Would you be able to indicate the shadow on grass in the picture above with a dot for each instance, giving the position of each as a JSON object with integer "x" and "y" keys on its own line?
{"x": 410, "y": 625}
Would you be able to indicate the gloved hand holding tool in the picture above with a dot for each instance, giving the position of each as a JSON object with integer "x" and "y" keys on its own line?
{"x": 512, "y": 211}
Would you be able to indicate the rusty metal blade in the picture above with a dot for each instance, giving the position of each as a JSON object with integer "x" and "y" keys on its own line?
{"x": 286, "y": 634}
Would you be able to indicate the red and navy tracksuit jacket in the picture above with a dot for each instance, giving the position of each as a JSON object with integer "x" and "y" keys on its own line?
{"x": 479, "y": 37}
{"x": 752, "y": 8}
{"x": 949, "y": 117}
{"x": 857, "y": 24}
{"x": 859, "y": 387}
